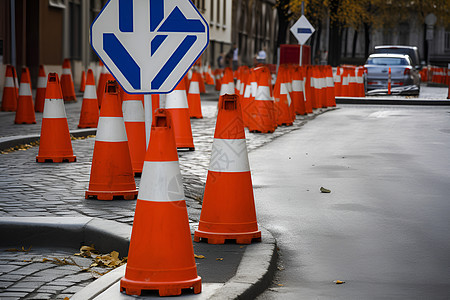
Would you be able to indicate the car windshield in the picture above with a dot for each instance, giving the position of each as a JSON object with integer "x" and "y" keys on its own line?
{"x": 387, "y": 61}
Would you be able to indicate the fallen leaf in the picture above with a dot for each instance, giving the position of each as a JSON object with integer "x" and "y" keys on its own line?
{"x": 199, "y": 256}
{"x": 324, "y": 190}
{"x": 280, "y": 284}
{"x": 18, "y": 250}
{"x": 339, "y": 282}
{"x": 219, "y": 258}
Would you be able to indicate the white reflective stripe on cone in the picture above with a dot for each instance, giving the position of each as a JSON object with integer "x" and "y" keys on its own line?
{"x": 229, "y": 155}
{"x": 227, "y": 88}
{"x": 167, "y": 182}
{"x": 194, "y": 87}
{"x": 330, "y": 82}
{"x": 337, "y": 78}
{"x": 345, "y": 80}
{"x": 284, "y": 91}
{"x": 9, "y": 82}
{"x": 297, "y": 86}
{"x": 263, "y": 93}
{"x": 133, "y": 111}
{"x": 90, "y": 92}
{"x": 111, "y": 129}
{"x": 42, "y": 82}
{"x": 248, "y": 91}
{"x": 24, "y": 89}
{"x": 254, "y": 86}
{"x": 176, "y": 99}
{"x": 67, "y": 71}
{"x": 54, "y": 109}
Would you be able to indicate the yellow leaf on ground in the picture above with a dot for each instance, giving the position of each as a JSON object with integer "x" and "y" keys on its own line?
{"x": 199, "y": 256}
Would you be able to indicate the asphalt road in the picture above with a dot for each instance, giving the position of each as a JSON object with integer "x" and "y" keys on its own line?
{"x": 384, "y": 227}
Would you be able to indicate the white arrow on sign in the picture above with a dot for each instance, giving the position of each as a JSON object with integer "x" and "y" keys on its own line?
{"x": 149, "y": 45}
{"x": 302, "y": 30}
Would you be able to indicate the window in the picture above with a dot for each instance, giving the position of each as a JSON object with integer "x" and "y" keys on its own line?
{"x": 224, "y": 20}
{"x": 218, "y": 12}
{"x": 211, "y": 21}
{"x": 75, "y": 29}
{"x": 447, "y": 41}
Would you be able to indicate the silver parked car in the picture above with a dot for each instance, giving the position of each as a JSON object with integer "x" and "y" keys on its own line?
{"x": 405, "y": 77}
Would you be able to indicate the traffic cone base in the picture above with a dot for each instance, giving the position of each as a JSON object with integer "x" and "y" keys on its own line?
{"x": 163, "y": 288}
{"x": 219, "y": 239}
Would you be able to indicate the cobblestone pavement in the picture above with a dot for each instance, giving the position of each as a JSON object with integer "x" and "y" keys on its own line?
{"x": 29, "y": 189}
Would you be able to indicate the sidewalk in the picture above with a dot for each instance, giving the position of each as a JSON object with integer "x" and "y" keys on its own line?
{"x": 30, "y": 190}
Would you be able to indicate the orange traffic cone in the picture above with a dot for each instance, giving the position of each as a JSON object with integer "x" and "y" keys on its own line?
{"x": 89, "y": 109}
{"x": 248, "y": 98}
{"x": 161, "y": 256}
{"x": 262, "y": 118}
{"x": 227, "y": 86}
{"x": 111, "y": 171}
{"x": 309, "y": 91}
{"x": 331, "y": 96}
{"x": 193, "y": 97}
{"x": 40, "y": 90}
{"x": 67, "y": 87}
{"x": 83, "y": 82}
{"x": 25, "y": 108}
{"x": 104, "y": 77}
{"x": 176, "y": 104}
{"x": 337, "y": 82}
{"x": 9, "y": 99}
{"x": 201, "y": 82}
{"x": 228, "y": 211}
{"x": 282, "y": 105}
{"x": 298, "y": 91}
{"x": 218, "y": 79}
{"x": 133, "y": 116}
{"x": 55, "y": 144}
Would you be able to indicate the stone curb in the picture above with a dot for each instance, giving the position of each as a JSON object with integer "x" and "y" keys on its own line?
{"x": 253, "y": 276}
{"x": 12, "y": 141}
{"x": 391, "y": 101}
{"x": 71, "y": 232}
